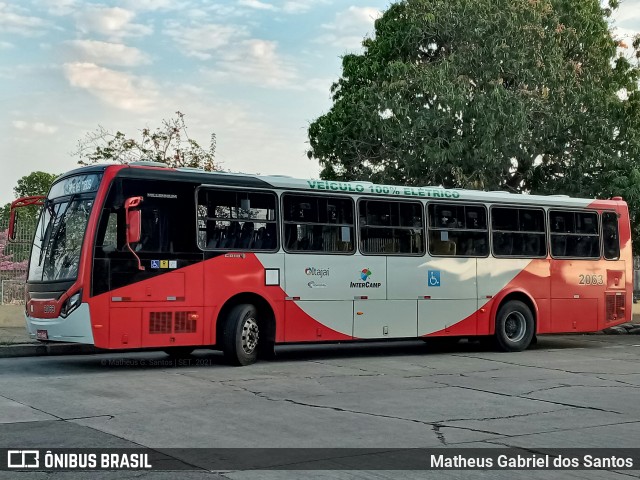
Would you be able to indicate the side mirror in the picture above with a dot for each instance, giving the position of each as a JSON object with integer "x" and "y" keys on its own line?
{"x": 134, "y": 219}
{"x": 134, "y": 224}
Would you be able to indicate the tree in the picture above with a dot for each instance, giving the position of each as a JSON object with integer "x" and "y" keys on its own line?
{"x": 519, "y": 95}
{"x": 36, "y": 183}
{"x": 168, "y": 144}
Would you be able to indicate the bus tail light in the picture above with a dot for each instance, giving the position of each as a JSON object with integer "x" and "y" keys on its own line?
{"x": 71, "y": 303}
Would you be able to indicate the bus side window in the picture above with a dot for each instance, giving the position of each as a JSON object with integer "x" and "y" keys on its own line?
{"x": 518, "y": 232}
{"x": 107, "y": 237}
{"x": 110, "y": 240}
{"x": 389, "y": 227}
{"x": 574, "y": 234}
{"x": 458, "y": 230}
{"x": 314, "y": 223}
{"x": 236, "y": 220}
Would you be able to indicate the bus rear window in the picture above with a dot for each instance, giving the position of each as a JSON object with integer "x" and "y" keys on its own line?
{"x": 610, "y": 236}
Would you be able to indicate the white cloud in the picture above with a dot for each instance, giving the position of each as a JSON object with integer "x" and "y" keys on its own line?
{"x": 257, "y": 4}
{"x": 14, "y": 19}
{"x": 200, "y": 41}
{"x": 256, "y": 62}
{"x": 350, "y": 27}
{"x": 59, "y": 7}
{"x": 119, "y": 89}
{"x": 627, "y": 13}
{"x": 111, "y": 22}
{"x": 6, "y": 45}
{"x": 153, "y": 5}
{"x": 37, "y": 127}
{"x": 107, "y": 53}
{"x": 301, "y": 6}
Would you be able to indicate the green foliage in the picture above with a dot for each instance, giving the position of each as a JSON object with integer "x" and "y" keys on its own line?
{"x": 36, "y": 183}
{"x": 520, "y": 95}
{"x": 168, "y": 144}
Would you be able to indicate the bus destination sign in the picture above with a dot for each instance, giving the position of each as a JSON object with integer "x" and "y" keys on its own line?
{"x": 75, "y": 184}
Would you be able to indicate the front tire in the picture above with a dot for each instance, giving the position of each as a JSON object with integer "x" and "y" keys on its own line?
{"x": 515, "y": 326}
{"x": 240, "y": 335}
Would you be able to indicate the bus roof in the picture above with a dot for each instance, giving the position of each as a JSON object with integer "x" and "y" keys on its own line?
{"x": 283, "y": 182}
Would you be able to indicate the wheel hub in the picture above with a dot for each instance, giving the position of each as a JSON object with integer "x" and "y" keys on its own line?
{"x": 250, "y": 335}
{"x": 515, "y": 326}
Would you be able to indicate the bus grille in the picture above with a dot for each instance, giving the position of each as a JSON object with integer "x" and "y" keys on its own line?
{"x": 160, "y": 322}
{"x": 185, "y": 322}
{"x": 614, "y": 306}
{"x": 164, "y": 322}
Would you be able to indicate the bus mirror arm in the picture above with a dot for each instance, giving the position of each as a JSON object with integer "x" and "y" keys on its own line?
{"x": 36, "y": 200}
{"x": 134, "y": 225}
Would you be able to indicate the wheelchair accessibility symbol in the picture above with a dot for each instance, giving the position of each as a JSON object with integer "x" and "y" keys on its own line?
{"x": 434, "y": 278}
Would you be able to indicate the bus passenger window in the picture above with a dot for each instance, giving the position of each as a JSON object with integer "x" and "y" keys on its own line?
{"x": 518, "y": 232}
{"x": 389, "y": 227}
{"x": 574, "y": 234}
{"x": 318, "y": 224}
{"x": 458, "y": 230}
{"x": 610, "y": 236}
{"x": 236, "y": 220}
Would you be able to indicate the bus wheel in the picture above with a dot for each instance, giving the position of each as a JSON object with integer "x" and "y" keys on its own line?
{"x": 514, "y": 326}
{"x": 240, "y": 335}
{"x": 178, "y": 352}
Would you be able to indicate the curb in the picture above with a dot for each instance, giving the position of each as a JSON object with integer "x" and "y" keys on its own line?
{"x": 44, "y": 349}
{"x": 623, "y": 329}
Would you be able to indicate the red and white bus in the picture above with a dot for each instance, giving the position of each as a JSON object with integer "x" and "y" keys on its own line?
{"x": 145, "y": 256}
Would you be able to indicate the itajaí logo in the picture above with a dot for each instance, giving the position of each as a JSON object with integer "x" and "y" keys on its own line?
{"x": 365, "y": 283}
{"x": 317, "y": 272}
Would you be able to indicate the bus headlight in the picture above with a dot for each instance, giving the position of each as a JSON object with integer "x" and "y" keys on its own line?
{"x": 71, "y": 304}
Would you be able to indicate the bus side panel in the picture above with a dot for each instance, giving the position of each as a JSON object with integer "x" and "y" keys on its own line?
{"x": 165, "y": 310}
{"x": 100, "y": 312}
{"x": 581, "y": 291}
{"x": 230, "y": 274}
{"x": 301, "y": 324}
{"x": 125, "y": 328}
{"x": 622, "y": 310}
{"x": 497, "y": 277}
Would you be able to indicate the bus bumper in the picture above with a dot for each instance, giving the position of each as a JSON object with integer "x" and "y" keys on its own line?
{"x": 76, "y": 328}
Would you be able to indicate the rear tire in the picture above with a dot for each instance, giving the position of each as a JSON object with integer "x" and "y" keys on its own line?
{"x": 240, "y": 335}
{"x": 515, "y": 326}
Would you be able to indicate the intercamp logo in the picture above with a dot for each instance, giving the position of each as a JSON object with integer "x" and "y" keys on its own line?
{"x": 23, "y": 459}
{"x": 365, "y": 273}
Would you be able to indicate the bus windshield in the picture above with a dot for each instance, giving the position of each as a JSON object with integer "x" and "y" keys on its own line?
{"x": 57, "y": 244}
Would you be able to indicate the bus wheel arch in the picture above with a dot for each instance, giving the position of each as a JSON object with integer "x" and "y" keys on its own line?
{"x": 515, "y": 322}
{"x": 264, "y": 318}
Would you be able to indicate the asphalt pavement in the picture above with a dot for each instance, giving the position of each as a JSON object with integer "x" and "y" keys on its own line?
{"x": 566, "y": 391}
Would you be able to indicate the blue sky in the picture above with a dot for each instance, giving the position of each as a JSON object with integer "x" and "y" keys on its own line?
{"x": 255, "y": 72}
